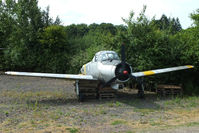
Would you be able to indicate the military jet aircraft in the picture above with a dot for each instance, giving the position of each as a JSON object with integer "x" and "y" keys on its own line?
{"x": 106, "y": 70}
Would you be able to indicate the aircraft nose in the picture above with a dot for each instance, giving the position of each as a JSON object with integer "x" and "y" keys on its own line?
{"x": 122, "y": 72}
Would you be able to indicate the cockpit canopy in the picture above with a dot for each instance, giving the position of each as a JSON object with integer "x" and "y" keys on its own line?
{"x": 105, "y": 55}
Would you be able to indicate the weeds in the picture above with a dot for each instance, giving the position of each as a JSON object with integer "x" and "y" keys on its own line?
{"x": 186, "y": 102}
{"x": 6, "y": 113}
{"x": 192, "y": 124}
{"x": 118, "y": 104}
{"x": 130, "y": 132}
{"x": 72, "y": 130}
{"x": 138, "y": 115}
{"x": 118, "y": 122}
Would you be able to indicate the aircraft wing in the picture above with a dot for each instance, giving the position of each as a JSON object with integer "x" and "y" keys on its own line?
{"x": 51, "y": 75}
{"x": 164, "y": 70}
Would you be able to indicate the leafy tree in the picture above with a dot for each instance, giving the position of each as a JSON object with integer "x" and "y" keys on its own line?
{"x": 195, "y": 17}
{"x": 188, "y": 40}
{"x": 149, "y": 47}
{"x": 55, "y": 50}
{"x": 170, "y": 25}
{"x": 46, "y": 19}
{"x": 75, "y": 31}
{"x": 23, "y": 39}
{"x": 84, "y": 46}
{"x": 21, "y": 23}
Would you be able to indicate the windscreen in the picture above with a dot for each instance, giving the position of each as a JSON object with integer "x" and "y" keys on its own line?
{"x": 107, "y": 56}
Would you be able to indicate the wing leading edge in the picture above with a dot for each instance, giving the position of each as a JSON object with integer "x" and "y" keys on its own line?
{"x": 50, "y": 75}
{"x": 158, "y": 71}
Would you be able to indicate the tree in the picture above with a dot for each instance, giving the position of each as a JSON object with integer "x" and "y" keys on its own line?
{"x": 23, "y": 39}
{"x": 170, "y": 25}
{"x": 195, "y": 17}
{"x": 149, "y": 47}
{"x": 21, "y": 23}
{"x": 55, "y": 50}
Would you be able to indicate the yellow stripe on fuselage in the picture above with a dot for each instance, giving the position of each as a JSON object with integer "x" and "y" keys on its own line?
{"x": 148, "y": 73}
{"x": 85, "y": 69}
{"x": 189, "y": 66}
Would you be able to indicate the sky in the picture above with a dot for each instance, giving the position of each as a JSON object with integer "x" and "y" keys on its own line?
{"x": 112, "y": 11}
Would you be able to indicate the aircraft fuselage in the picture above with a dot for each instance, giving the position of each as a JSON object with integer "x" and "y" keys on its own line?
{"x": 105, "y": 66}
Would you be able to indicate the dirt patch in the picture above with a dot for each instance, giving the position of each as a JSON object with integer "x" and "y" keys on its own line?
{"x": 29, "y": 104}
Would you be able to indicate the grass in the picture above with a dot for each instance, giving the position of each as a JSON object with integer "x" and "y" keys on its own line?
{"x": 118, "y": 122}
{"x": 73, "y": 130}
{"x": 21, "y": 96}
{"x": 135, "y": 114}
{"x": 186, "y": 102}
{"x": 192, "y": 124}
{"x": 118, "y": 104}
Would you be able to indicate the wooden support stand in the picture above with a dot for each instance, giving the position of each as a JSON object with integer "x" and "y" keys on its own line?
{"x": 88, "y": 89}
{"x": 107, "y": 93}
{"x": 169, "y": 90}
{"x": 91, "y": 90}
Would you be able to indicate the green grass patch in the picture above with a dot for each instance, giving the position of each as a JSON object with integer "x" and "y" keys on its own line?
{"x": 118, "y": 104}
{"x": 144, "y": 111}
{"x": 153, "y": 123}
{"x": 129, "y": 132}
{"x": 73, "y": 130}
{"x": 192, "y": 124}
{"x": 118, "y": 122}
{"x": 187, "y": 102}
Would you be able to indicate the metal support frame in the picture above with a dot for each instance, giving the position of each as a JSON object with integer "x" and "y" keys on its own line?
{"x": 77, "y": 87}
{"x": 140, "y": 87}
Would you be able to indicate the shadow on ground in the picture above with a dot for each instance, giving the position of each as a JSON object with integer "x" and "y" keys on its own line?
{"x": 130, "y": 99}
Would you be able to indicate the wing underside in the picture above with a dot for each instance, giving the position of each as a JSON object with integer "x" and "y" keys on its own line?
{"x": 51, "y": 75}
{"x": 158, "y": 71}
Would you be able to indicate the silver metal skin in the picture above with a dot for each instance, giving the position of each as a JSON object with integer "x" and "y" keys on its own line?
{"x": 102, "y": 68}
{"x": 52, "y": 75}
{"x": 158, "y": 71}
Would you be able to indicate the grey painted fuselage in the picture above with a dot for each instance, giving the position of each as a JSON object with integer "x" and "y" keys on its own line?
{"x": 103, "y": 66}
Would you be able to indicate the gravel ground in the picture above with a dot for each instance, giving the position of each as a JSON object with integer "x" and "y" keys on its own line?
{"x": 29, "y": 104}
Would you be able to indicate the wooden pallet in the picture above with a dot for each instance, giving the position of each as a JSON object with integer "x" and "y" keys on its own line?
{"x": 169, "y": 90}
{"x": 106, "y": 95}
{"x": 90, "y": 90}
{"x": 90, "y": 95}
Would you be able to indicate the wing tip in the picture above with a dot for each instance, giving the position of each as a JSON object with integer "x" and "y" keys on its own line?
{"x": 10, "y": 73}
{"x": 7, "y": 72}
{"x": 190, "y": 66}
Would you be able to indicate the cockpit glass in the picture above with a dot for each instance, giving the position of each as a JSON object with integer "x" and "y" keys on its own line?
{"x": 110, "y": 56}
{"x": 107, "y": 56}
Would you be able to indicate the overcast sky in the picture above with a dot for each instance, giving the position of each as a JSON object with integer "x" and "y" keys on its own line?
{"x": 111, "y": 11}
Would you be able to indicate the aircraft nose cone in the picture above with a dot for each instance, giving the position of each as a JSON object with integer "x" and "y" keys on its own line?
{"x": 125, "y": 72}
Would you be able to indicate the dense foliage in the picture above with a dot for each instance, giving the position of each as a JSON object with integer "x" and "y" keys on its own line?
{"x": 35, "y": 42}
